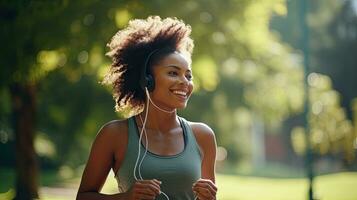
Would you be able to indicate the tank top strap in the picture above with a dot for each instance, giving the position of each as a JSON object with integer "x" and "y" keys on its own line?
{"x": 132, "y": 128}
{"x": 133, "y": 136}
{"x": 191, "y": 139}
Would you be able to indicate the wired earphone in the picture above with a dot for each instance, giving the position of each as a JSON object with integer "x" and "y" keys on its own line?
{"x": 147, "y": 83}
{"x": 146, "y": 140}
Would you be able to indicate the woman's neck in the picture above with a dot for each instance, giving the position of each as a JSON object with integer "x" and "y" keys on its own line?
{"x": 158, "y": 120}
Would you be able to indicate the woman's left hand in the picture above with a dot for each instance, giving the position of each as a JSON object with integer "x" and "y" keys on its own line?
{"x": 205, "y": 189}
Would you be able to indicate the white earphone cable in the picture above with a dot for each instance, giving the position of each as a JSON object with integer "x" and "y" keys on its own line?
{"x": 140, "y": 138}
{"x": 146, "y": 140}
{"x": 165, "y": 111}
{"x": 146, "y": 145}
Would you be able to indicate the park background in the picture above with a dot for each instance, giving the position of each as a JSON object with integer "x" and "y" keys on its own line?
{"x": 275, "y": 79}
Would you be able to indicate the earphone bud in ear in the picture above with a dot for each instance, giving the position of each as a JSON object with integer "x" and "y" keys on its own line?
{"x": 150, "y": 82}
{"x": 146, "y": 79}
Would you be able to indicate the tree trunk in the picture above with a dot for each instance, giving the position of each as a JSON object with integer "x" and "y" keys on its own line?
{"x": 24, "y": 109}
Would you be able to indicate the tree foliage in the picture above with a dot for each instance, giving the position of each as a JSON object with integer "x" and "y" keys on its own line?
{"x": 330, "y": 130}
{"x": 333, "y": 32}
{"x": 235, "y": 58}
{"x": 242, "y": 69}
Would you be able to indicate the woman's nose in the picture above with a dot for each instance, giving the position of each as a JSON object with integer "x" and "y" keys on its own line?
{"x": 184, "y": 80}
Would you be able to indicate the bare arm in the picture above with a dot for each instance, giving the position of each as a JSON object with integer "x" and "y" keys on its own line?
{"x": 111, "y": 138}
{"x": 205, "y": 187}
{"x": 100, "y": 161}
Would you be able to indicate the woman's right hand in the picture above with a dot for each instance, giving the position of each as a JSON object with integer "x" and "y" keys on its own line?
{"x": 144, "y": 189}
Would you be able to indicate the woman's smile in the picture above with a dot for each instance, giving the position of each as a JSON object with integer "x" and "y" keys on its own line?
{"x": 181, "y": 94}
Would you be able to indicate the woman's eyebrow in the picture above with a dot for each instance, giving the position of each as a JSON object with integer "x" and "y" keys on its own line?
{"x": 178, "y": 68}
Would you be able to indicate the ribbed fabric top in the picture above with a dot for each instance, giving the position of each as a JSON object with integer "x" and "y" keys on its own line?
{"x": 177, "y": 173}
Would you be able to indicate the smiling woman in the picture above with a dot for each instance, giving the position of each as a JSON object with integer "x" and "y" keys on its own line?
{"x": 173, "y": 74}
{"x": 154, "y": 154}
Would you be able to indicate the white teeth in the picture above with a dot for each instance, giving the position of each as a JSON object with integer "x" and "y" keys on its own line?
{"x": 179, "y": 92}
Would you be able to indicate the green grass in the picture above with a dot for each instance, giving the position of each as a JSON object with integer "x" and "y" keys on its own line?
{"x": 340, "y": 186}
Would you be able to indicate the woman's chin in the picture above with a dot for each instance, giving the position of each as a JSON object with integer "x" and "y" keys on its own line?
{"x": 182, "y": 106}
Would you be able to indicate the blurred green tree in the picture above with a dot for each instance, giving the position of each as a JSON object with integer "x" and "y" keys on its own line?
{"x": 331, "y": 131}
{"x": 37, "y": 38}
{"x": 333, "y": 28}
{"x": 54, "y": 58}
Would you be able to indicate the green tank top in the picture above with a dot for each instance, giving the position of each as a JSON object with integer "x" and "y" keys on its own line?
{"x": 177, "y": 173}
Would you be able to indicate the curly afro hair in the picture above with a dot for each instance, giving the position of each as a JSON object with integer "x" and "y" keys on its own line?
{"x": 129, "y": 49}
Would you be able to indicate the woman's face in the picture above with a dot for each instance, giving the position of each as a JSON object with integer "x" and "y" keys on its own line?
{"x": 173, "y": 81}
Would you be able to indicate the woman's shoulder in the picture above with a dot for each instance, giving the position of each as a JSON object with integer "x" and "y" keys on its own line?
{"x": 113, "y": 129}
{"x": 205, "y": 137}
{"x": 201, "y": 129}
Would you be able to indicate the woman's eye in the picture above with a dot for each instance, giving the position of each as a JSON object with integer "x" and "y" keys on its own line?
{"x": 172, "y": 73}
{"x": 189, "y": 77}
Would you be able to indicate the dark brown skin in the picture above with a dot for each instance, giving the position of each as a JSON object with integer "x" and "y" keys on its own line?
{"x": 171, "y": 74}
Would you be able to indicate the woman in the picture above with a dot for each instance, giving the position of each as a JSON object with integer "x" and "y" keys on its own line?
{"x": 155, "y": 154}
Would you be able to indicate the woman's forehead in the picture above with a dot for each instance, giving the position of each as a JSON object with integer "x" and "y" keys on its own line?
{"x": 176, "y": 59}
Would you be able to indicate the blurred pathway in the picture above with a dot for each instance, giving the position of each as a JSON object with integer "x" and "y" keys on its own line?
{"x": 65, "y": 193}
